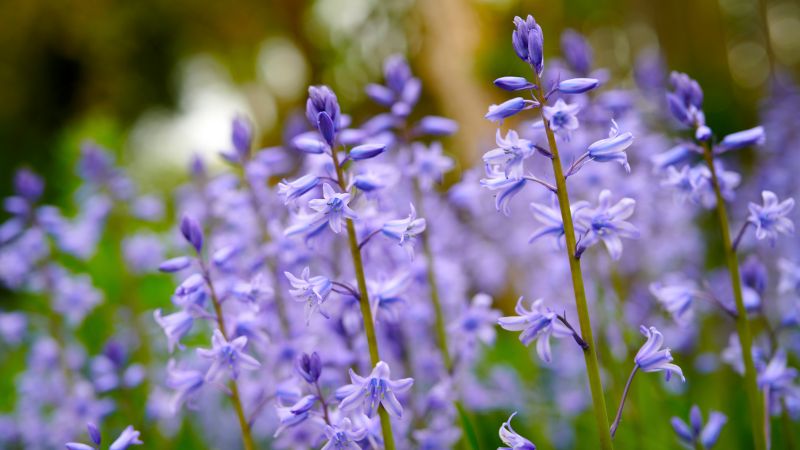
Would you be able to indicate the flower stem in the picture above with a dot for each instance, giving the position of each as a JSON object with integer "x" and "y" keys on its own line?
{"x": 742, "y": 322}
{"x": 618, "y": 418}
{"x": 363, "y": 301}
{"x": 247, "y": 437}
{"x": 590, "y": 355}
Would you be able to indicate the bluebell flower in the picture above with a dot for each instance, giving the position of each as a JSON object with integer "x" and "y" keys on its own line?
{"x": 186, "y": 384}
{"x": 321, "y": 99}
{"x": 612, "y": 149}
{"x": 477, "y": 323}
{"x": 405, "y": 231}
{"x": 175, "y": 326}
{"x": 676, "y": 297}
{"x": 508, "y": 187}
{"x": 562, "y": 118}
{"x": 333, "y": 207}
{"x": 386, "y": 296}
{"x": 430, "y": 164}
{"x": 28, "y": 185}
{"x": 510, "y": 154}
{"x": 770, "y": 219}
{"x": 706, "y": 435}
{"x": 507, "y": 109}
{"x": 652, "y": 358}
{"x": 127, "y": 438}
{"x": 790, "y": 276}
{"x": 536, "y": 324}
{"x": 686, "y": 100}
{"x": 606, "y": 223}
{"x": 309, "y": 367}
{"x": 291, "y": 190}
{"x": 675, "y": 155}
{"x": 365, "y": 151}
{"x": 512, "y": 439}
{"x": 310, "y": 143}
{"x": 528, "y": 42}
{"x": 513, "y": 83}
{"x": 741, "y": 139}
{"x": 550, "y": 217}
{"x": 94, "y": 433}
{"x": 313, "y": 291}
{"x": 436, "y": 126}
{"x": 372, "y": 391}
{"x": 577, "y": 85}
{"x": 175, "y": 264}
{"x": 776, "y": 375}
{"x": 190, "y": 285}
{"x": 192, "y": 232}
{"x": 576, "y": 52}
{"x": 227, "y": 355}
{"x": 344, "y": 436}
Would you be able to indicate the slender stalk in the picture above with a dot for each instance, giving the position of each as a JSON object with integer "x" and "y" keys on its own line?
{"x": 742, "y": 322}
{"x": 589, "y": 354}
{"x": 363, "y": 301}
{"x": 247, "y": 437}
{"x": 698, "y": 445}
{"x": 618, "y": 418}
{"x": 740, "y": 235}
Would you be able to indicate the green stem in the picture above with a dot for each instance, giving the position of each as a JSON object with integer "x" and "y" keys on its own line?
{"x": 589, "y": 354}
{"x": 698, "y": 445}
{"x": 247, "y": 437}
{"x": 742, "y": 322}
{"x": 363, "y": 301}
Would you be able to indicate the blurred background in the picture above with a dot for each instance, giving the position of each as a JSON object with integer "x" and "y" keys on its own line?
{"x": 159, "y": 80}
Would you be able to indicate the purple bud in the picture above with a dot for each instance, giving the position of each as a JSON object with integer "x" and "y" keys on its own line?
{"x": 28, "y": 185}
{"x": 577, "y": 85}
{"x": 677, "y": 109}
{"x": 190, "y": 285}
{"x": 396, "y": 72}
{"x": 309, "y": 367}
{"x": 696, "y": 420}
{"x": 528, "y": 42}
{"x": 326, "y": 127}
{"x": 380, "y": 94}
{"x": 754, "y": 274}
{"x": 576, "y": 51}
{"x": 224, "y": 254}
{"x": 322, "y": 99}
{"x": 94, "y": 433}
{"x": 703, "y": 133}
{"x": 741, "y": 139}
{"x": 513, "y": 83}
{"x": 175, "y": 264}
{"x": 436, "y": 126}
{"x": 682, "y": 430}
{"x": 242, "y": 136}
{"x": 507, "y": 109}
{"x": 192, "y": 233}
{"x": 366, "y": 151}
{"x": 309, "y": 143}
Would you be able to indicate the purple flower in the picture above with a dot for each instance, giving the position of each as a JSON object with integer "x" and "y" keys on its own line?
{"x": 185, "y": 382}
{"x": 577, "y": 85}
{"x": 536, "y": 324}
{"x": 507, "y": 109}
{"x": 528, "y": 42}
{"x": 175, "y": 326}
{"x": 576, "y": 51}
{"x": 510, "y": 154}
{"x": 707, "y": 435}
{"x": 606, "y": 223}
{"x": 430, "y": 164}
{"x": 309, "y": 367}
{"x": 321, "y": 99}
{"x": 652, "y": 358}
{"x": 242, "y": 137}
{"x": 405, "y": 231}
{"x": 612, "y": 149}
{"x": 343, "y": 436}
{"x": 770, "y": 218}
{"x": 436, "y": 126}
{"x": 508, "y": 187}
{"x": 562, "y": 118}
{"x": 372, "y": 391}
{"x": 28, "y": 185}
{"x": 676, "y": 297}
{"x": 550, "y": 217}
{"x": 741, "y": 139}
{"x": 512, "y": 439}
{"x": 777, "y": 375}
{"x": 128, "y": 437}
{"x": 333, "y": 207}
{"x": 310, "y": 143}
{"x": 192, "y": 232}
{"x": 226, "y": 355}
{"x": 291, "y": 190}
{"x": 366, "y": 151}
{"x": 686, "y": 100}
{"x": 513, "y": 83}
{"x": 311, "y": 290}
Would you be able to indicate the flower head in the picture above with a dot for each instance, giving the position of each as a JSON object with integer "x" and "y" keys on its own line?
{"x": 535, "y": 323}
{"x": 374, "y": 390}
{"x": 405, "y": 231}
{"x": 507, "y": 187}
{"x": 333, "y": 207}
{"x": 512, "y": 439}
{"x": 676, "y": 297}
{"x": 510, "y": 154}
{"x": 770, "y": 218}
{"x": 606, "y": 223}
{"x": 227, "y": 355}
{"x": 686, "y": 100}
{"x": 612, "y": 149}
{"x": 344, "y": 436}
{"x": 311, "y": 290}
{"x": 695, "y": 432}
{"x": 562, "y": 118}
{"x": 652, "y": 358}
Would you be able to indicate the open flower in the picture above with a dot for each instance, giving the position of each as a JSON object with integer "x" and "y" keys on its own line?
{"x": 606, "y": 223}
{"x": 562, "y": 118}
{"x": 770, "y": 218}
{"x": 333, "y": 207}
{"x": 535, "y": 323}
{"x": 227, "y": 355}
{"x": 375, "y": 390}
{"x": 512, "y": 439}
{"x": 695, "y": 432}
{"x": 405, "y": 231}
{"x": 311, "y": 290}
{"x": 652, "y": 358}
{"x": 510, "y": 154}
